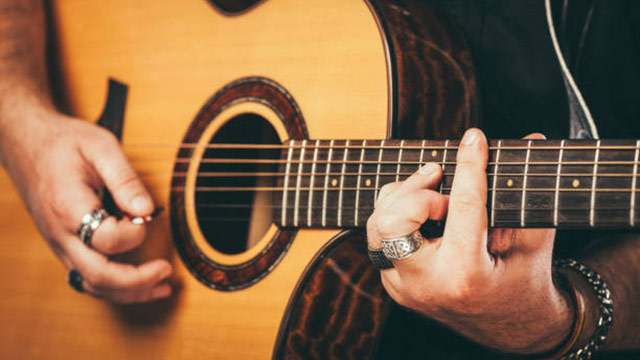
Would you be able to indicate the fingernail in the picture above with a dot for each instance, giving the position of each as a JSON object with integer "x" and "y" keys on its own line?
{"x": 141, "y": 203}
{"x": 470, "y": 137}
{"x": 427, "y": 169}
{"x": 139, "y": 220}
{"x": 160, "y": 292}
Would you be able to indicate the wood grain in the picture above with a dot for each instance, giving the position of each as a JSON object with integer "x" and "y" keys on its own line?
{"x": 173, "y": 56}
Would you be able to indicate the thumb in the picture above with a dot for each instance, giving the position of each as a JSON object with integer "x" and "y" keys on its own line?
{"x": 118, "y": 176}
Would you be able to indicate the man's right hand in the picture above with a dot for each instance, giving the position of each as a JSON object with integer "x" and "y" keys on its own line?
{"x": 59, "y": 165}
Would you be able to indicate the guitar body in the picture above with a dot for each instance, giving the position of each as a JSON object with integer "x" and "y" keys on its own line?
{"x": 315, "y": 69}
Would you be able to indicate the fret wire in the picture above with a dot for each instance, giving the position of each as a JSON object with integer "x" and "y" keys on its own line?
{"x": 524, "y": 184}
{"x": 312, "y": 183}
{"x": 495, "y": 179}
{"x": 444, "y": 162}
{"x": 632, "y": 215}
{"x": 593, "y": 186}
{"x": 326, "y": 186}
{"x": 421, "y": 161}
{"x": 375, "y": 195}
{"x": 355, "y": 214}
{"x": 557, "y": 192}
{"x": 344, "y": 165}
{"x": 286, "y": 183}
{"x": 297, "y": 195}
{"x": 400, "y": 161}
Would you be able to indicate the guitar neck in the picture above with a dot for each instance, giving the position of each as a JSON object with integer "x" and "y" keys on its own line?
{"x": 531, "y": 183}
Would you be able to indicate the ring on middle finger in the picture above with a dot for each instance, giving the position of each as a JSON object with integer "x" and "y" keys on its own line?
{"x": 402, "y": 247}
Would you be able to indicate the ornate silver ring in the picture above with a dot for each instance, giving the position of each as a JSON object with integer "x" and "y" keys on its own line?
{"x": 402, "y": 247}
{"x": 90, "y": 223}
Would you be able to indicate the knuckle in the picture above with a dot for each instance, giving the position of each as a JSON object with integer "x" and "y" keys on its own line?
{"x": 460, "y": 291}
{"x": 386, "y": 226}
{"x": 385, "y": 190}
{"x": 96, "y": 278}
{"x": 59, "y": 204}
{"x": 106, "y": 138}
{"x": 464, "y": 291}
{"x": 469, "y": 162}
{"x": 371, "y": 224}
{"x": 110, "y": 246}
{"x": 125, "y": 179}
{"x": 466, "y": 202}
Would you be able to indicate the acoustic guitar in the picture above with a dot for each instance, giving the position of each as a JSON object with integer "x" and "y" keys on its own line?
{"x": 267, "y": 129}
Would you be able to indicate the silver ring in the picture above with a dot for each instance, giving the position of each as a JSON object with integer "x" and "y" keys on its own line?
{"x": 402, "y": 247}
{"x": 91, "y": 222}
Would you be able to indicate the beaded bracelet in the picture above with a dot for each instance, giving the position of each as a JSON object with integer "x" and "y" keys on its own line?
{"x": 604, "y": 302}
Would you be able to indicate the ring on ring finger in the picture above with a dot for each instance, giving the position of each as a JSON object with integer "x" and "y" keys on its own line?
{"x": 396, "y": 249}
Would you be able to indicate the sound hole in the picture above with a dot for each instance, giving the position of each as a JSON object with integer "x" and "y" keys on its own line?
{"x": 232, "y": 210}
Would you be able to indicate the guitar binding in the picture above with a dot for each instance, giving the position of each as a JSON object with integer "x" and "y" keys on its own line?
{"x": 219, "y": 266}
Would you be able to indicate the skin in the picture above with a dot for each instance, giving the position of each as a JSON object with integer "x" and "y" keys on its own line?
{"x": 483, "y": 284}
{"x": 494, "y": 286}
{"x": 59, "y": 163}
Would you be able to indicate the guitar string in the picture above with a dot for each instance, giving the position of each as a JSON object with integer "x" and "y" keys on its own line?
{"x": 281, "y": 189}
{"x": 499, "y": 210}
{"x": 236, "y": 161}
{"x": 303, "y": 207}
{"x": 279, "y": 175}
{"x": 287, "y": 146}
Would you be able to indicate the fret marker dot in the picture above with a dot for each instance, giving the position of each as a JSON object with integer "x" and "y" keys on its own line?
{"x": 510, "y": 183}
{"x": 334, "y": 182}
{"x": 367, "y": 182}
{"x": 576, "y": 183}
{"x": 434, "y": 153}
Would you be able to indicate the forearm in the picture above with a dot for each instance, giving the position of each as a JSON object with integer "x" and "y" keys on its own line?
{"x": 24, "y": 90}
{"x": 23, "y": 77}
{"x": 617, "y": 259}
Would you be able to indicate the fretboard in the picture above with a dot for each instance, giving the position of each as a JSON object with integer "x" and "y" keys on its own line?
{"x": 539, "y": 183}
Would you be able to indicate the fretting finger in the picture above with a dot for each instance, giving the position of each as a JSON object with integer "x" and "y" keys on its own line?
{"x": 406, "y": 213}
{"x": 385, "y": 191}
{"x": 427, "y": 177}
{"x": 466, "y": 229}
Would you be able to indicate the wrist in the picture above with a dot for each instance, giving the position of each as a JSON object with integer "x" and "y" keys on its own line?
{"x": 20, "y": 104}
{"x": 539, "y": 324}
{"x": 559, "y": 321}
{"x": 592, "y": 311}
{"x": 22, "y": 121}
{"x": 584, "y": 349}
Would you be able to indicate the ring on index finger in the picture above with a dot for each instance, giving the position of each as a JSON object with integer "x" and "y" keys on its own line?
{"x": 90, "y": 223}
